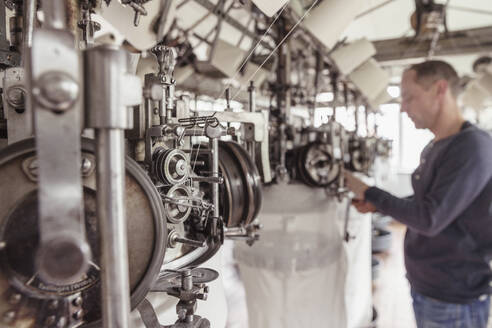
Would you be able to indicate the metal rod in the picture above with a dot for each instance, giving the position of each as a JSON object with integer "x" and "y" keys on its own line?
{"x": 106, "y": 71}
{"x": 54, "y": 14}
{"x": 214, "y": 145}
{"x": 112, "y": 224}
{"x": 252, "y": 97}
{"x": 212, "y": 179}
{"x": 29, "y": 15}
{"x": 148, "y": 113}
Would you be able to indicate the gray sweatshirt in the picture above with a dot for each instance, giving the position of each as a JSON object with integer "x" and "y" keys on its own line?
{"x": 448, "y": 244}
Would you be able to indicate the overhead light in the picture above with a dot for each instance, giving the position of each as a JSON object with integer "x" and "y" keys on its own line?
{"x": 394, "y": 91}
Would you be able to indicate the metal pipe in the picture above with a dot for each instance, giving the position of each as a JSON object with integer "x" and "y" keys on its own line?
{"x": 169, "y": 101}
{"x": 214, "y": 145}
{"x": 107, "y": 99}
{"x": 148, "y": 113}
{"x": 29, "y": 15}
{"x": 54, "y": 14}
{"x": 252, "y": 97}
{"x": 110, "y": 153}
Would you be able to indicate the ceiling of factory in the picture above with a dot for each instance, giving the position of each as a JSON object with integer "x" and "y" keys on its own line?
{"x": 377, "y": 20}
{"x": 391, "y": 19}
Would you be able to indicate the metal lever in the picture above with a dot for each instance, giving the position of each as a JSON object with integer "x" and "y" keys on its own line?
{"x": 174, "y": 238}
{"x": 55, "y": 81}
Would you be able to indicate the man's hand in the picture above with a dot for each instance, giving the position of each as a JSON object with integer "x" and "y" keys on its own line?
{"x": 363, "y": 206}
{"x": 355, "y": 185}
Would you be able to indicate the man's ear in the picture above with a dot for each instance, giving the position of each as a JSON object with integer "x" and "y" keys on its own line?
{"x": 442, "y": 87}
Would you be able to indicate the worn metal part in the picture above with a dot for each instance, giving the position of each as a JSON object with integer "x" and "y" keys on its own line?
{"x": 174, "y": 238}
{"x": 21, "y": 289}
{"x": 54, "y": 80}
{"x": 18, "y": 114}
{"x": 8, "y": 58}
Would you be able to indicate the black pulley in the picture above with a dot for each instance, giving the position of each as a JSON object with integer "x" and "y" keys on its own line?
{"x": 362, "y": 154}
{"x": 241, "y": 193}
{"x": 170, "y": 166}
{"x": 316, "y": 165}
{"x": 28, "y": 300}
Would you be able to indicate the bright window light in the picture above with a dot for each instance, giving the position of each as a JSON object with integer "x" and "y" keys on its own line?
{"x": 394, "y": 91}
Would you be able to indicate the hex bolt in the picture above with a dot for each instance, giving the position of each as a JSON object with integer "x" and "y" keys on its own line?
{"x": 77, "y": 301}
{"x": 77, "y": 315}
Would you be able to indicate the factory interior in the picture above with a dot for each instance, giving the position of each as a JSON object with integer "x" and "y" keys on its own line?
{"x": 237, "y": 163}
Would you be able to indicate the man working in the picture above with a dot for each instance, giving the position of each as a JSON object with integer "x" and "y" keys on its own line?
{"x": 449, "y": 237}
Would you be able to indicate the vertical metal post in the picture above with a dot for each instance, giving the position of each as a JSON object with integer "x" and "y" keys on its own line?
{"x": 283, "y": 95}
{"x": 112, "y": 224}
{"x": 29, "y": 16}
{"x": 252, "y": 97}
{"x": 214, "y": 145}
{"x": 252, "y": 109}
{"x": 110, "y": 91}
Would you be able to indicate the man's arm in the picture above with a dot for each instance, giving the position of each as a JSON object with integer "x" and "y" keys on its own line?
{"x": 465, "y": 170}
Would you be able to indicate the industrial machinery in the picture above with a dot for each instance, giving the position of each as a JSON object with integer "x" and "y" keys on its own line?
{"x": 113, "y": 187}
{"x": 110, "y": 188}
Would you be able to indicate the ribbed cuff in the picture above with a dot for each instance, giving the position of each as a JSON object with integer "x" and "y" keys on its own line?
{"x": 374, "y": 195}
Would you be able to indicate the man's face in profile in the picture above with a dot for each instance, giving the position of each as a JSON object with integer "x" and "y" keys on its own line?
{"x": 419, "y": 100}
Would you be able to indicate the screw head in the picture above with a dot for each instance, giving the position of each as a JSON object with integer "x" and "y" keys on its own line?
{"x": 86, "y": 165}
{"x": 56, "y": 91}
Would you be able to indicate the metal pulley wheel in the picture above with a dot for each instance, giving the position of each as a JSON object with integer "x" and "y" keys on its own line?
{"x": 25, "y": 300}
{"x": 170, "y": 166}
{"x": 241, "y": 192}
{"x": 362, "y": 154}
{"x": 316, "y": 165}
{"x": 176, "y": 213}
{"x": 169, "y": 280}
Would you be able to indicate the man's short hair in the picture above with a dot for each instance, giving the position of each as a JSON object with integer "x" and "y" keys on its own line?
{"x": 434, "y": 70}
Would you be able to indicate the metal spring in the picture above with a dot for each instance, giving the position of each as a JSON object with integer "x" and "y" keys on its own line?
{"x": 201, "y": 121}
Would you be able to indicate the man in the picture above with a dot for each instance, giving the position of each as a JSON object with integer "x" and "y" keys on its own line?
{"x": 449, "y": 237}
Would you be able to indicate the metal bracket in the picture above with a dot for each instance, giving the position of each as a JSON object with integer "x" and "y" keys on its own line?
{"x": 19, "y": 116}
{"x": 55, "y": 84}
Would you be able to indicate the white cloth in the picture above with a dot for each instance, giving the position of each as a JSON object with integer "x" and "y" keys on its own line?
{"x": 301, "y": 273}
